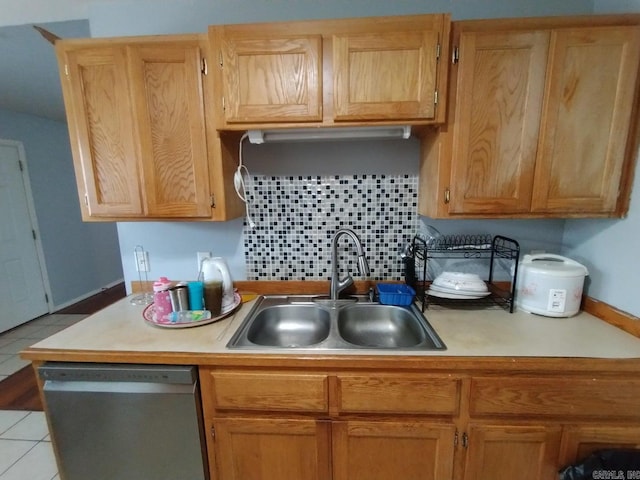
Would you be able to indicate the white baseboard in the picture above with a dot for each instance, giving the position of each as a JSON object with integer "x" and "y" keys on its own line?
{"x": 86, "y": 295}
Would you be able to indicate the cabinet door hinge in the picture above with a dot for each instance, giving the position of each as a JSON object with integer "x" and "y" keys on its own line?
{"x": 213, "y": 433}
{"x": 438, "y": 52}
{"x": 212, "y": 201}
{"x": 455, "y": 56}
{"x": 447, "y": 195}
{"x": 203, "y": 66}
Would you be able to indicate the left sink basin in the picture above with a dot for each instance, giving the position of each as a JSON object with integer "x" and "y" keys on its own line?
{"x": 289, "y": 326}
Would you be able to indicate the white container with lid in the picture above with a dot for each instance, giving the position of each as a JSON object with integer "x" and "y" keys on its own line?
{"x": 550, "y": 285}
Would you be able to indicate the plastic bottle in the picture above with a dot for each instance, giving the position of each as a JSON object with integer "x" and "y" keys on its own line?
{"x": 161, "y": 298}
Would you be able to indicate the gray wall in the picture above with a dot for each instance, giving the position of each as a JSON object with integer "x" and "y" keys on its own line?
{"x": 140, "y": 17}
{"x": 172, "y": 245}
{"x": 80, "y": 257}
{"x": 616, "y": 6}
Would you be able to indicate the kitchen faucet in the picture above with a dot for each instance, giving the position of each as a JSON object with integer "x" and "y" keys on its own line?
{"x": 337, "y": 284}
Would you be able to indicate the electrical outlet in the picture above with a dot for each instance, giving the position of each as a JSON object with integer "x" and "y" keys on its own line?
{"x": 142, "y": 261}
{"x": 201, "y": 257}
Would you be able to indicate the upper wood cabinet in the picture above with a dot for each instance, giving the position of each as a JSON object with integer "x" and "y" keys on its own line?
{"x": 542, "y": 120}
{"x": 276, "y": 79}
{"x": 136, "y": 115}
{"x": 95, "y": 87}
{"x": 499, "y": 100}
{"x": 385, "y": 76}
{"x": 591, "y": 85}
{"x": 324, "y": 73}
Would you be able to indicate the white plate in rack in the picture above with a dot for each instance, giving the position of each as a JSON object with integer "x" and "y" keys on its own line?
{"x": 456, "y": 294}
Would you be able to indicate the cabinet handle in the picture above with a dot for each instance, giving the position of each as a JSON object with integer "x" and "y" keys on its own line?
{"x": 204, "y": 66}
{"x": 455, "y": 439}
{"x": 447, "y": 196}
{"x": 465, "y": 440}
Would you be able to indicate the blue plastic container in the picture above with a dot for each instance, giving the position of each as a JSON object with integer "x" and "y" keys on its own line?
{"x": 395, "y": 294}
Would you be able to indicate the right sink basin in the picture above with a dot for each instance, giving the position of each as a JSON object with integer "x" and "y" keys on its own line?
{"x": 296, "y": 322}
{"x": 380, "y": 326}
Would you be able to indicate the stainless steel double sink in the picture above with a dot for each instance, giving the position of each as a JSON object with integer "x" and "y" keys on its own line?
{"x": 309, "y": 322}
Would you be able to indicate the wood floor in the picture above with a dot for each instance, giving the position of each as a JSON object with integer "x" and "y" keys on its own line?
{"x": 20, "y": 390}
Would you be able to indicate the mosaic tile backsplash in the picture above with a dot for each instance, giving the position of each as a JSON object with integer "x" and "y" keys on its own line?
{"x": 296, "y": 218}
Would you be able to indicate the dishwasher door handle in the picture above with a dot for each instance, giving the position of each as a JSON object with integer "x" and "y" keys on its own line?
{"x": 118, "y": 387}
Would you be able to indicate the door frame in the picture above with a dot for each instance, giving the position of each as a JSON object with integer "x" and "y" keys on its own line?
{"x": 33, "y": 218}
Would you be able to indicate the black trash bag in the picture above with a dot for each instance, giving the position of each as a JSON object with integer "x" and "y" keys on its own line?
{"x": 613, "y": 464}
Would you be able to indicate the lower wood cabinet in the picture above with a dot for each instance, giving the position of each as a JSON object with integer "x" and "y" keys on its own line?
{"x": 579, "y": 441}
{"x": 292, "y": 424}
{"x": 392, "y": 449}
{"x": 505, "y": 452}
{"x": 286, "y": 425}
{"x": 272, "y": 449}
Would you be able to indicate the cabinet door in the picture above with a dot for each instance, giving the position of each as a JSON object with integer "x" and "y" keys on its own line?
{"x": 383, "y": 450}
{"x": 381, "y": 76}
{"x": 169, "y": 112}
{"x": 95, "y": 88}
{"x": 590, "y": 94}
{"x": 500, "y": 86}
{"x": 272, "y": 449}
{"x": 505, "y": 452}
{"x": 275, "y": 79}
{"x": 579, "y": 441}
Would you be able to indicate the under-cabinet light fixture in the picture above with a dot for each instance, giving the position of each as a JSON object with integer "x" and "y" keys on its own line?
{"x": 340, "y": 133}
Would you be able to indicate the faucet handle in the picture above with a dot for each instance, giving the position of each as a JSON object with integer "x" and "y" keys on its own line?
{"x": 345, "y": 282}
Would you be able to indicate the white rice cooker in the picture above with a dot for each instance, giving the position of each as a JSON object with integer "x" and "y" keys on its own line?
{"x": 550, "y": 285}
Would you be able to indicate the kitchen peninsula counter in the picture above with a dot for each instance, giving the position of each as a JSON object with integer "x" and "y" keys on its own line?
{"x": 507, "y": 381}
{"x": 119, "y": 333}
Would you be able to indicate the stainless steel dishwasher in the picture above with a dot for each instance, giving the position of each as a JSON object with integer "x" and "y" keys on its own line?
{"x": 125, "y": 422}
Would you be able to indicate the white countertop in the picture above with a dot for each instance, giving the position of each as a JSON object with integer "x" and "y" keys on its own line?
{"x": 488, "y": 333}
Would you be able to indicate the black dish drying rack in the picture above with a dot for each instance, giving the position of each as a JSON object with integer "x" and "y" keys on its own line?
{"x": 471, "y": 247}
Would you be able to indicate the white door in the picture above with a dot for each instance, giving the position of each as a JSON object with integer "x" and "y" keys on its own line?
{"x": 22, "y": 277}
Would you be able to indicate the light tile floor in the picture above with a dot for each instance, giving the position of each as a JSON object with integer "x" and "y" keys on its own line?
{"x": 25, "y": 448}
{"x": 26, "y": 335}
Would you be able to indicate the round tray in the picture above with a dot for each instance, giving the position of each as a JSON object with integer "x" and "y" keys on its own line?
{"x": 149, "y": 315}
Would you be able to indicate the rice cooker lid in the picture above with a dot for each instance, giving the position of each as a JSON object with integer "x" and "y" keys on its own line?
{"x": 555, "y": 268}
